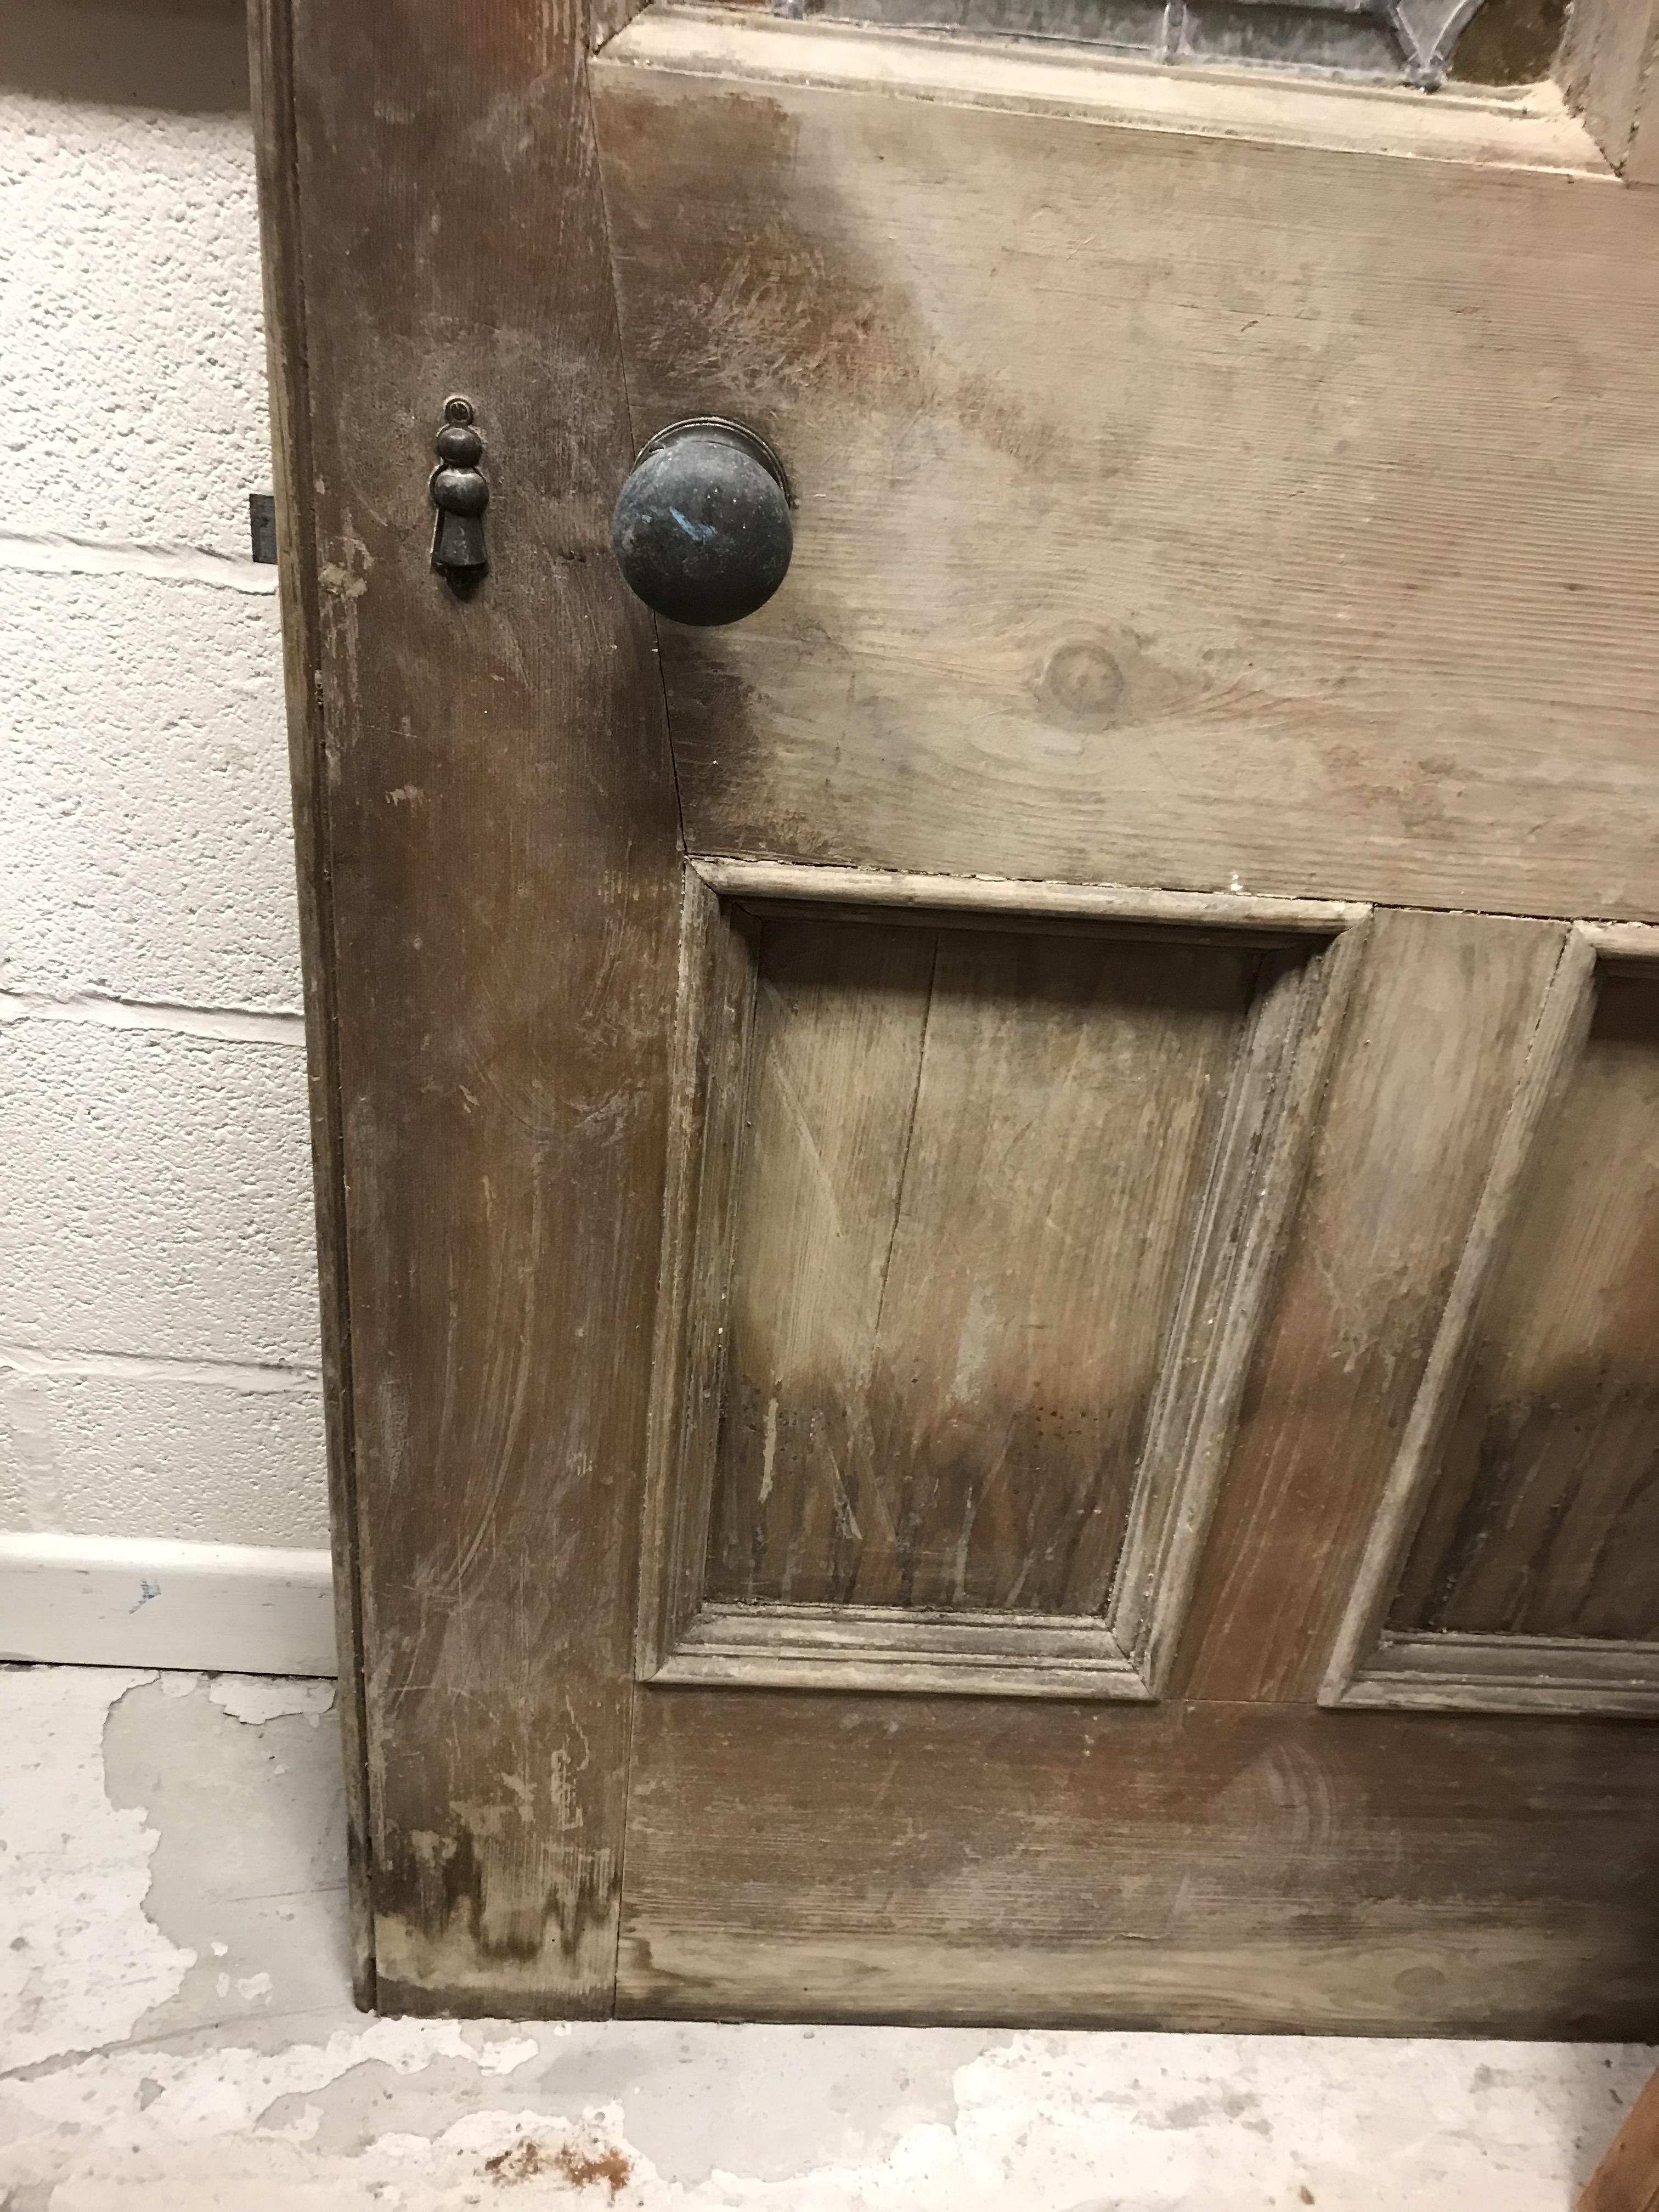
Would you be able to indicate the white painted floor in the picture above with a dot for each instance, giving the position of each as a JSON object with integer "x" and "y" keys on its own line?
{"x": 176, "y": 2032}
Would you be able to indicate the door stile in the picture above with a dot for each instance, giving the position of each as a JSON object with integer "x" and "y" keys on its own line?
{"x": 497, "y": 832}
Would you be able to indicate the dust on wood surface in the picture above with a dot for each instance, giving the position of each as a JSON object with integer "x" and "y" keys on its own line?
{"x": 502, "y": 871}
{"x": 970, "y": 1165}
{"x": 1172, "y": 509}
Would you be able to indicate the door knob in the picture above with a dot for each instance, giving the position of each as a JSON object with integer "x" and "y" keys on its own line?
{"x": 702, "y": 526}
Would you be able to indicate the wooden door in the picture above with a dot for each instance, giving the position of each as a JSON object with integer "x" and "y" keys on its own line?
{"x": 991, "y": 1240}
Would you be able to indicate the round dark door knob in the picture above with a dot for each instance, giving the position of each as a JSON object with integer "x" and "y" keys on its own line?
{"x": 702, "y": 527}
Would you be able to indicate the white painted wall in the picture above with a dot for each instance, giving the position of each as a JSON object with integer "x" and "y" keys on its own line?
{"x": 158, "y": 1355}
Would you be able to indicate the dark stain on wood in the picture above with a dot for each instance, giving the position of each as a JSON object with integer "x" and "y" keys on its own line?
{"x": 502, "y": 834}
{"x": 772, "y": 314}
{"x": 488, "y": 820}
{"x": 1510, "y": 42}
{"x": 1180, "y": 1865}
{"x": 1442, "y": 1021}
{"x": 1544, "y": 1519}
{"x": 1002, "y": 352}
{"x": 719, "y": 739}
{"x": 970, "y": 1165}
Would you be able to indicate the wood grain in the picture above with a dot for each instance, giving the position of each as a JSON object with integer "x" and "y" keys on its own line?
{"x": 1543, "y": 1515}
{"x": 713, "y": 1030}
{"x": 887, "y": 1073}
{"x": 1292, "y": 543}
{"x": 1264, "y": 106}
{"x": 1563, "y": 1015}
{"x": 1226, "y": 491}
{"x": 1627, "y": 940}
{"x": 1276, "y": 1095}
{"x": 1627, "y": 2179}
{"x": 965, "y": 1428}
{"x": 1220, "y": 1866}
{"x": 606, "y": 17}
{"x": 1442, "y": 1023}
{"x": 838, "y": 1036}
{"x": 986, "y": 901}
{"x": 1608, "y": 69}
{"x": 500, "y": 844}
{"x": 1445, "y": 1672}
{"x": 950, "y": 1652}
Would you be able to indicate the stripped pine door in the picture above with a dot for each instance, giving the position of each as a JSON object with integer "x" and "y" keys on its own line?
{"x": 991, "y": 1238}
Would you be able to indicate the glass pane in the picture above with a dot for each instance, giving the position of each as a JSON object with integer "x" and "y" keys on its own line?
{"x": 1355, "y": 43}
{"x": 1420, "y": 42}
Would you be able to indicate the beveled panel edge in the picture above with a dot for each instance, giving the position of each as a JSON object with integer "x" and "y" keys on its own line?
{"x": 1620, "y": 941}
{"x": 1278, "y": 1089}
{"x": 876, "y": 1648}
{"x": 1535, "y": 130}
{"x": 792, "y": 880}
{"x": 1454, "y": 1672}
{"x": 1372, "y": 1667}
{"x": 708, "y": 1084}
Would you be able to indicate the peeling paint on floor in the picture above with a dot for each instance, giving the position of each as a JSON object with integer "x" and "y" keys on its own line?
{"x": 257, "y": 1699}
{"x": 82, "y": 1963}
{"x": 176, "y": 2033}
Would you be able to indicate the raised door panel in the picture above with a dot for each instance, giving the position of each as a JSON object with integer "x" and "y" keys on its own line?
{"x": 1510, "y": 1566}
{"x": 958, "y": 1257}
{"x": 1545, "y": 1515}
{"x": 1176, "y": 503}
{"x": 1444, "y": 1016}
{"x": 980, "y": 1213}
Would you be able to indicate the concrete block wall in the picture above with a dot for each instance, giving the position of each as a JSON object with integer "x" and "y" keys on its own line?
{"x": 158, "y": 1353}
